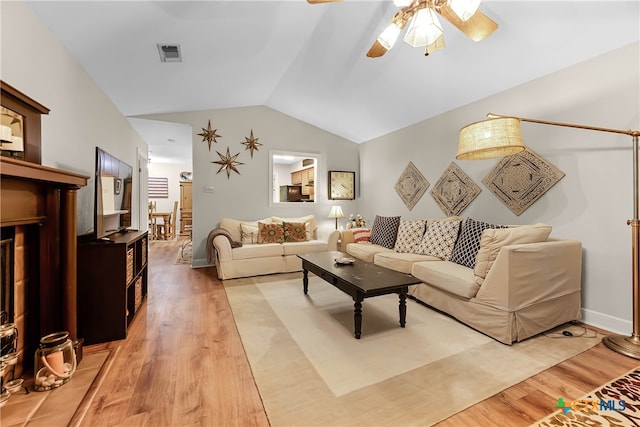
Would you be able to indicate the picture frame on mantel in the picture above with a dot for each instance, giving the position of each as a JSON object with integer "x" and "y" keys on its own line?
{"x": 342, "y": 185}
{"x": 23, "y": 116}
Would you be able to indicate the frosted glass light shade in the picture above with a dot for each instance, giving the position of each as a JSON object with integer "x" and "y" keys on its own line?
{"x": 424, "y": 28}
{"x": 465, "y": 9}
{"x": 389, "y": 36}
{"x": 495, "y": 137}
{"x": 436, "y": 45}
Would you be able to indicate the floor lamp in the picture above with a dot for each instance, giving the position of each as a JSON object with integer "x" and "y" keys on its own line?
{"x": 499, "y": 136}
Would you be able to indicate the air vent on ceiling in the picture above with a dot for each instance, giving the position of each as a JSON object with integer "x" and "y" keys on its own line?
{"x": 169, "y": 52}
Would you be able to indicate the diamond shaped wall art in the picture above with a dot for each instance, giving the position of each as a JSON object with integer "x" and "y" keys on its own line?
{"x": 454, "y": 190}
{"x": 411, "y": 185}
{"x": 520, "y": 180}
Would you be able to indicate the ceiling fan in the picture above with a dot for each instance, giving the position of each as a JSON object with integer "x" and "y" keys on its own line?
{"x": 424, "y": 27}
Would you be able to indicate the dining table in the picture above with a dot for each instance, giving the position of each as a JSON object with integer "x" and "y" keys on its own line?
{"x": 166, "y": 217}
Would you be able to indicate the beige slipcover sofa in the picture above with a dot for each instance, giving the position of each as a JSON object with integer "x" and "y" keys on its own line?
{"x": 523, "y": 282}
{"x": 253, "y": 258}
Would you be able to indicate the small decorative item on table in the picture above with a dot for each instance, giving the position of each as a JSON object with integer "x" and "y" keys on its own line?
{"x": 356, "y": 221}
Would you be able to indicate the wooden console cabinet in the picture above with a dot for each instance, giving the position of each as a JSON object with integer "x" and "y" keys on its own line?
{"x": 185, "y": 207}
{"x": 112, "y": 284}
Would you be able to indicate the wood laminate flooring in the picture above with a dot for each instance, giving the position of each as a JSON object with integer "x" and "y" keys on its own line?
{"x": 183, "y": 363}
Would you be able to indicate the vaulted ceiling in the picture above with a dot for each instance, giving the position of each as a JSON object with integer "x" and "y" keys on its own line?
{"x": 308, "y": 61}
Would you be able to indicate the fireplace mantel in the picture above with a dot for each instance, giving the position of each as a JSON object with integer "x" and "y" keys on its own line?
{"x": 45, "y": 197}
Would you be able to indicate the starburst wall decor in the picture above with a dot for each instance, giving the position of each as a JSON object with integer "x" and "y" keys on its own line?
{"x": 228, "y": 163}
{"x": 209, "y": 135}
{"x": 251, "y": 143}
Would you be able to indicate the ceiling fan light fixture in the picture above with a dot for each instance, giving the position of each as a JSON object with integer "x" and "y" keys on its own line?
{"x": 465, "y": 9}
{"x": 389, "y": 36}
{"x": 424, "y": 28}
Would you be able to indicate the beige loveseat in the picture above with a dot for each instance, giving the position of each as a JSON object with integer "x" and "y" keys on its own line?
{"x": 256, "y": 257}
{"x": 522, "y": 282}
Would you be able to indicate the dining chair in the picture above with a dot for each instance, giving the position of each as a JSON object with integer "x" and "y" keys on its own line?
{"x": 172, "y": 221}
{"x": 169, "y": 228}
{"x": 152, "y": 220}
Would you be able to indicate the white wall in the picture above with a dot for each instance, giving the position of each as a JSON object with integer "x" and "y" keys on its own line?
{"x": 170, "y": 171}
{"x": 246, "y": 195}
{"x": 591, "y": 203}
{"x": 81, "y": 116}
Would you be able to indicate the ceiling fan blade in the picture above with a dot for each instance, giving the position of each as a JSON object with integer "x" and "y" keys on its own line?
{"x": 376, "y": 50}
{"x": 322, "y": 1}
{"x": 478, "y": 27}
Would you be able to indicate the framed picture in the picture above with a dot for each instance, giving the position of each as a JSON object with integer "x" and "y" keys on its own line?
{"x": 342, "y": 185}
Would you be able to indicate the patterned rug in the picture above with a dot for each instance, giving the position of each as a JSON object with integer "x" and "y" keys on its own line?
{"x": 184, "y": 254}
{"x": 614, "y": 404}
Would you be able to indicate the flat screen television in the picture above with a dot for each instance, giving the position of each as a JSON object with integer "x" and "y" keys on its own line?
{"x": 112, "y": 204}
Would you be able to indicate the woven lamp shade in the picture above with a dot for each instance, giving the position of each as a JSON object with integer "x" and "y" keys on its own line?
{"x": 487, "y": 139}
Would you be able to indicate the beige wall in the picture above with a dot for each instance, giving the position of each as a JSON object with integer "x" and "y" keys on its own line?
{"x": 246, "y": 195}
{"x": 591, "y": 203}
{"x": 81, "y": 116}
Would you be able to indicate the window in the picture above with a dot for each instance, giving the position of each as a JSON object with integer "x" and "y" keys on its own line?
{"x": 158, "y": 188}
{"x": 294, "y": 177}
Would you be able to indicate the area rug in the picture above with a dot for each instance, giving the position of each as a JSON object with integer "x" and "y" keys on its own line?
{"x": 184, "y": 254}
{"x": 311, "y": 371}
{"x": 616, "y": 403}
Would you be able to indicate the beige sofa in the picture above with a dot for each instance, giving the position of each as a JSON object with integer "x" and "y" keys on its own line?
{"x": 253, "y": 258}
{"x": 523, "y": 282}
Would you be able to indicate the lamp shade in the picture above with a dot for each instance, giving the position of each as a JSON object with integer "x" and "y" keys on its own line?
{"x": 424, "y": 28}
{"x": 494, "y": 137}
{"x": 336, "y": 212}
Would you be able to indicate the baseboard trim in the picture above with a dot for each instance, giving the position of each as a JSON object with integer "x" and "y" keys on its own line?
{"x": 604, "y": 321}
{"x": 199, "y": 263}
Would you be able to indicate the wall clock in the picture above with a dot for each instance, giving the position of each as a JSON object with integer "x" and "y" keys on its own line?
{"x": 342, "y": 185}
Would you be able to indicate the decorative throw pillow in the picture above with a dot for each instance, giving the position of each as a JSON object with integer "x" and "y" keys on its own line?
{"x": 294, "y": 231}
{"x": 361, "y": 235}
{"x": 270, "y": 232}
{"x": 309, "y": 221}
{"x": 385, "y": 230}
{"x": 468, "y": 244}
{"x": 249, "y": 232}
{"x": 410, "y": 235}
{"x": 493, "y": 240}
{"x": 440, "y": 239}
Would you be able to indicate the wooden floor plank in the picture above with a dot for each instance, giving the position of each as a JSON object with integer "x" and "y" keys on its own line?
{"x": 183, "y": 363}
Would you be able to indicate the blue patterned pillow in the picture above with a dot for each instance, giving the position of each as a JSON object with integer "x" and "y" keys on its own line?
{"x": 468, "y": 244}
{"x": 385, "y": 230}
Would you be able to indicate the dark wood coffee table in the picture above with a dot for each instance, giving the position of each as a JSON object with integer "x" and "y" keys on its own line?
{"x": 360, "y": 280}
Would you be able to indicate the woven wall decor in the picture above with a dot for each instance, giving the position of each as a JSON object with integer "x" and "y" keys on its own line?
{"x": 411, "y": 185}
{"x": 454, "y": 190}
{"x": 520, "y": 180}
